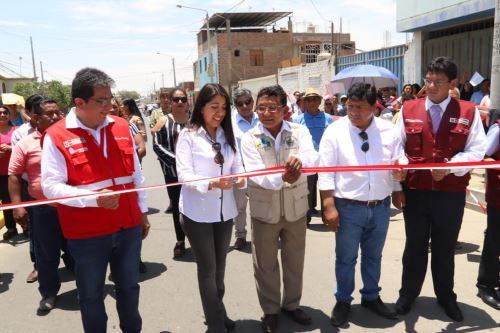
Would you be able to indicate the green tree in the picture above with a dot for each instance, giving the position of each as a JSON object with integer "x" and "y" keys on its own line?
{"x": 52, "y": 89}
{"x": 128, "y": 94}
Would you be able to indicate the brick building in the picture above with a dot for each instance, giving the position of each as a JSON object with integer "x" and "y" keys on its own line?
{"x": 249, "y": 45}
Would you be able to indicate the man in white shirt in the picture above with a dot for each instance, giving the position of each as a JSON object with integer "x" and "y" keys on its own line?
{"x": 243, "y": 119}
{"x": 278, "y": 205}
{"x": 356, "y": 205}
{"x": 101, "y": 230}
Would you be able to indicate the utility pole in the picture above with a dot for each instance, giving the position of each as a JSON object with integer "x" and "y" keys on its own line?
{"x": 162, "y": 81}
{"x": 495, "y": 65}
{"x": 331, "y": 49}
{"x": 210, "y": 59}
{"x": 20, "y": 66}
{"x": 33, "y": 59}
{"x": 173, "y": 69}
{"x": 41, "y": 71}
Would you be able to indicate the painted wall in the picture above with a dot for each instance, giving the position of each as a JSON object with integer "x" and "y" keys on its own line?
{"x": 424, "y": 15}
{"x": 202, "y": 75}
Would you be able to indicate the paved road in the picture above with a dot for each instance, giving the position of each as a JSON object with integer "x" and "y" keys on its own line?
{"x": 169, "y": 292}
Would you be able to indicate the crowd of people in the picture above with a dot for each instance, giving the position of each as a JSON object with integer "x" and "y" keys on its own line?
{"x": 59, "y": 156}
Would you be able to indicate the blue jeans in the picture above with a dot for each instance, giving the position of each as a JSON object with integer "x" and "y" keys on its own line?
{"x": 48, "y": 241}
{"x": 360, "y": 227}
{"x": 92, "y": 255}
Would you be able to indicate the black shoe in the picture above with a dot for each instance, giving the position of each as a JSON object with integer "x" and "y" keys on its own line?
{"x": 379, "y": 308}
{"x": 340, "y": 313}
{"x": 269, "y": 323}
{"x": 229, "y": 324}
{"x": 452, "y": 310}
{"x": 298, "y": 316}
{"x": 142, "y": 267}
{"x": 403, "y": 305}
{"x": 169, "y": 210}
{"x": 240, "y": 243}
{"x": 489, "y": 297}
{"x": 69, "y": 262}
{"x": 179, "y": 249}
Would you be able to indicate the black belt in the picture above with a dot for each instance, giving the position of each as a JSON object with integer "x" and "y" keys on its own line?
{"x": 369, "y": 203}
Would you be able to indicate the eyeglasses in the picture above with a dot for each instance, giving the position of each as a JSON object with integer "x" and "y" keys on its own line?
{"x": 365, "y": 146}
{"x": 245, "y": 102}
{"x": 179, "y": 99}
{"x": 328, "y": 104}
{"x": 437, "y": 83}
{"x": 219, "y": 158}
{"x": 271, "y": 109}
{"x": 102, "y": 101}
{"x": 4, "y": 112}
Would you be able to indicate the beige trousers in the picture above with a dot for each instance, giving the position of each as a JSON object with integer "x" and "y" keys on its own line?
{"x": 266, "y": 239}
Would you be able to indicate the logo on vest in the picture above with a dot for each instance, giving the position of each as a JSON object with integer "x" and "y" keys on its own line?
{"x": 263, "y": 144}
{"x": 408, "y": 120}
{"x": 118, "y": 138}
{"x": 453, "y": 120}
{"x": 73, "y": 142}
{"x": 463, "y": 121}
{"x": 290, "y": 142}
{"x": 72, "y": 151}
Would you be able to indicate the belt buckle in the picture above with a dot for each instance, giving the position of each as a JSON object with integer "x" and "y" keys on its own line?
{"x": 371, "y": 203}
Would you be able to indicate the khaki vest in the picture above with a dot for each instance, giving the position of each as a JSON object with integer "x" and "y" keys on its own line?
{"x": 291, "y": 201}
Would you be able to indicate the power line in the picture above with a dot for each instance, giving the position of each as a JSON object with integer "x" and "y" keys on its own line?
{"x": 317, "y": 11}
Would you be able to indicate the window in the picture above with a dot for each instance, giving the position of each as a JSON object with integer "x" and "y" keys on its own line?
{"x": 310, "y": 52}
{"x": 201, "y": 67}
{"x": 205, "y": 59}
{"x": 236, "y": 53}
{"x": 256, "y": 57}
{"x": 4, "y": 89}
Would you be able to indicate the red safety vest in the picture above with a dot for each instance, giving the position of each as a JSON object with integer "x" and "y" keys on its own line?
{"x": 493, "y": 184}
{"x": 423, "y": 146}
{"x": 89, "y": 169}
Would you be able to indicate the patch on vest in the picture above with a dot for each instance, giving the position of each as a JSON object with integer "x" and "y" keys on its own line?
{"x": 408, "y": 120}
{"x": 453, "y": 120}
{"x": 117, "y": 138}
{"x": 73, "y": 142}
{"x": 463, "y": 121}
{"x": 290, "y": 143}
{"x": 263, "y": 144}
{"x": 72, "y": 151}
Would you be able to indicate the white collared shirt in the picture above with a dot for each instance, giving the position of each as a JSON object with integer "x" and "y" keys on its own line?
{"x": 492, "y": 140}
{"x": 341, "y": 146}
{"x": 241, "y": 125}
{"x": 22, "y": 131}
{"x": 55, "y": 172}
{"x": 195, "y": 160}
{"x": 253, "y": 161}
{"x": 475, "y": 145}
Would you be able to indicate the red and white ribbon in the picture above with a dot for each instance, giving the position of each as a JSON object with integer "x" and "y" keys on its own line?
{"x": 270, "y": 171}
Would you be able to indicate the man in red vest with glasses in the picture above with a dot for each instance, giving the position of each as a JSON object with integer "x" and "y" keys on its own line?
{"x": 92, "y": 152}
{"x": 436, "y": 129}
{"x": 489, "y": 268}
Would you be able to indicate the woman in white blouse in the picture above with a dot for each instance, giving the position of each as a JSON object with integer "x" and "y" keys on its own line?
{"x": 206, "y": 148}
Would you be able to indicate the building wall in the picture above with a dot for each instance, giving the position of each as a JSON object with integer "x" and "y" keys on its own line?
{"x": 425, "y": 15}
{"x": 202, "y": 65}
{"x": 254, "y": 85}
{"x": 8, "y": 84}
{"x": 314, "y": 75}
{"x": 275, "y": 46}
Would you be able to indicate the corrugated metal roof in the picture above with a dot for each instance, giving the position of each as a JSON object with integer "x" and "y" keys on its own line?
{"x": 238, "y": 20}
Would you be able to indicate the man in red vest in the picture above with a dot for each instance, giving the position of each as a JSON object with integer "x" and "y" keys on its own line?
{"x": 436, "y": 129}
{"x": 489, "y": 268}
{"x": 92, "y": 152}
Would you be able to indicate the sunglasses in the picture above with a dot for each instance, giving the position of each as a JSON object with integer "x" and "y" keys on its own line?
{"x": 4, "y": 112}
{"x": 179, "y": 99}
{"x": 365, "y": 146}
{"x": 245, "y": 102}
{"x": 219, "y": 158}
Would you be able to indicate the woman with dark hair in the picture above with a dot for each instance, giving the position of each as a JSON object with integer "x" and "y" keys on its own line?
{"x": 134, "y": 116}
{"x": 139, "y": 144}
{"x": 466, "y": 91}
{"x": 206, "y": 148}
{"x": 6, "y": 130}
{"x": 165, "y": 134}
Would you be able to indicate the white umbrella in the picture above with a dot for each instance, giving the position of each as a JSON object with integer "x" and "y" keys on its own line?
{"x": 379, "y": 77}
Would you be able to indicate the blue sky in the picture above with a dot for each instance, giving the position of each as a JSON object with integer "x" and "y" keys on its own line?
{"x": 122, "y": 37}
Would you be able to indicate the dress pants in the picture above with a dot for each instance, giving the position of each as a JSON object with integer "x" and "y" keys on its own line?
{"x": 5, "y": 198}
{"x": 312, "y": 197}
{"x": 266, "y": 238}
{"x": 240, "y": 221}
{"x": 210, "y": 243}
{"x": 174, "y": 193}
{"x": 489, "y": 268}
{"x": 435, "y": 216}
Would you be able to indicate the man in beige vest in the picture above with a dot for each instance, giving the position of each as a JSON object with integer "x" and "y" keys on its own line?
{"x": 278, "y": 205}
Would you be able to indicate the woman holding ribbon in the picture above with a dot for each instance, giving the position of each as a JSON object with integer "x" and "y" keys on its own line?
{"x": 206, "y": 151}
